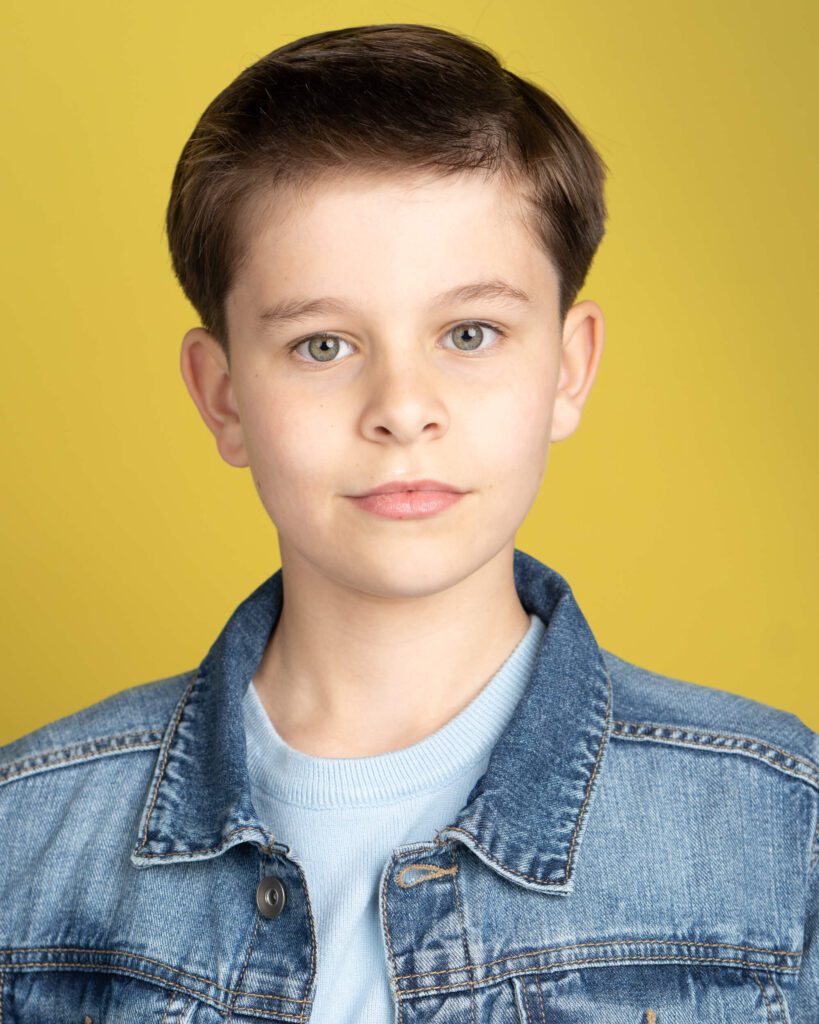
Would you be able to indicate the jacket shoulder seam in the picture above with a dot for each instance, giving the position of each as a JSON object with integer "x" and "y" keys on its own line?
{"x": 81, "y": 750}
{"x": 708, "y": 739}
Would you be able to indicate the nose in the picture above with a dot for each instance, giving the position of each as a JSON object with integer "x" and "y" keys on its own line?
{"x": 404, "y": 400}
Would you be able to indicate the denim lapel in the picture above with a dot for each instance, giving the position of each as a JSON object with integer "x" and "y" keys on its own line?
{"x": 526, "y": 814}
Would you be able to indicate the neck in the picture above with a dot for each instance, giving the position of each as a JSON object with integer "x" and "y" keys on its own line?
{"x": 348, "y": 673}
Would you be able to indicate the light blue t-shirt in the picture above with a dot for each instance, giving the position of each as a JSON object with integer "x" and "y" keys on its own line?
{"x": 342, "y": 818}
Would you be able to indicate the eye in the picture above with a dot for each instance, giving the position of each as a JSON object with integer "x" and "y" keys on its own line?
{"x": 468, "y": 335}
{"x": 323, "y": 346}
{"x": 471, "y": 333}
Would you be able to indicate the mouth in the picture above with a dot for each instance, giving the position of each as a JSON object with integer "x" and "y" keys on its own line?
{"x": 407, "y": 504}
{"x": 409, "y": 486}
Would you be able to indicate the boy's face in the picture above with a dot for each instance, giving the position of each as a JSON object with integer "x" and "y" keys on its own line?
{"x": 403, "y": 388}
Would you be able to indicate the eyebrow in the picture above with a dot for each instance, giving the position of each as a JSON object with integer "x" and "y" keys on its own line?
{"x": 289, "y": 310}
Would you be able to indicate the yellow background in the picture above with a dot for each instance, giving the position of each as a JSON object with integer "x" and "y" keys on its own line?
{"x": 683, "y": 512}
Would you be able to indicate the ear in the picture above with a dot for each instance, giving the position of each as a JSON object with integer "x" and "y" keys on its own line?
{"x": 581, "y": 348}
{"x": 206, "y": 373}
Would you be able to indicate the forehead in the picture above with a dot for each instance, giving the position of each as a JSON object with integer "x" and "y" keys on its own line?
{"x": 389, "y": 233}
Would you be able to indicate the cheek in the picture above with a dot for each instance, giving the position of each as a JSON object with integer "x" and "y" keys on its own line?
{"x": 292, "y": 446}
{"x": 516, "y": 424}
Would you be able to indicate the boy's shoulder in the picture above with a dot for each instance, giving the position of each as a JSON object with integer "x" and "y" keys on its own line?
{"x": 130, "y": 719}
{"x": 648, "y": 705}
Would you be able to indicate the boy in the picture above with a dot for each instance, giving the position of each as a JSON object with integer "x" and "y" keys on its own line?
{"x": 405, "y": 784}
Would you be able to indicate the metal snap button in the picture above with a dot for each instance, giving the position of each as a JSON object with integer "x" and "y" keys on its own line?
{"x": 270, "y": 896}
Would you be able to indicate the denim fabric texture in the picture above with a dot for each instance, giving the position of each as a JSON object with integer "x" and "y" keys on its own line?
{"x": 640, "y": 850}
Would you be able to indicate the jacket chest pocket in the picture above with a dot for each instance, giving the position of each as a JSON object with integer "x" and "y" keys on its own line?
{"x": 93, "y": 997}
{"x": 650, "y": 993}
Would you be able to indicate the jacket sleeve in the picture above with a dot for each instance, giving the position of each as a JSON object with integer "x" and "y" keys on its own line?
{"x": 806, "y": 996}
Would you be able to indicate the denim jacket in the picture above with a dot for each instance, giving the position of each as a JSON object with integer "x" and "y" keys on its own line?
{"x": 640, "y": 850}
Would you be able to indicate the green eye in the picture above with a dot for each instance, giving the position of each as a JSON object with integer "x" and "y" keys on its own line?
{"x": 469, "y": 336}
{"x": 322, "y": 348}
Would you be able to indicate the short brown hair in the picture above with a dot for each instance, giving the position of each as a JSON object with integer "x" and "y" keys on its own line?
{"x": 393, "y": 97}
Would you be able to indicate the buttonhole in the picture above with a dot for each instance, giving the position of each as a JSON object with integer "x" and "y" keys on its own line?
{"x": 425, "y": 873}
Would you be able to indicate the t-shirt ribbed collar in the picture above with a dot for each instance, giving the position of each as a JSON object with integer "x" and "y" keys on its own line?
{"x": 431, "y": 763}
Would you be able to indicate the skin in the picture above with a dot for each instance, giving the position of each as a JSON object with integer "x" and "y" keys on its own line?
{"x": 389, "y": 628}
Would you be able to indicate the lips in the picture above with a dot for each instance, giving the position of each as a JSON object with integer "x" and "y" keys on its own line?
{"x": 394, "y": 486}
{"x": 404, "y": 504}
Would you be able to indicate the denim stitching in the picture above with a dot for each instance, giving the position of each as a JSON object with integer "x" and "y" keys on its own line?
{"x": 182, "y": 988}
{"x": 313, "y": 941}
{"x": 526, "y": 1010}
{"x": 540, "y": 998}
{"x": 577, "y": 824}
{"x": 815, "y": 855}
{"x": 136, "y": 956}
{"x": 764, "y": 996}
{"x": 390, "y": 953}
{"x": 491, "y": 963}
{"x": 591, "y": 779}
{"x": 432, "y": 871}
{"x": 145, "y": 740}
{"x": 724, "y": 962}
{"x": 705, "y": 739}
{"x": 778, "y": 994}
{"x": 615, "y": 942}
{"x": 731, "y": 737}
{"x": 243, "y": 968}
{"x": 159, "y": 730}
{"x": 2, "y": 997}
{"x": 168, "y": 1003}
{"x": 464, "y": 939}
{"x": 253, "y": 829}
{"x": 144, "y": 837}
{"x": 512, "y": 871}
{"x": 182, "y": 704}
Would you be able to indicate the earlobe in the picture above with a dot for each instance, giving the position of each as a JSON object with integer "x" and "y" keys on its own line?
{"x": 581, "y": 348}
{"x": 205, "y": 371}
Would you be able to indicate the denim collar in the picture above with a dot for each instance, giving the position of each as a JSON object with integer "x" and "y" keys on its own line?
{"x": 525, "y": 816}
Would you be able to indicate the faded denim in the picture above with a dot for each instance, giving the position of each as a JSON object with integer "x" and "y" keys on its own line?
{"x": 640, "y": 850}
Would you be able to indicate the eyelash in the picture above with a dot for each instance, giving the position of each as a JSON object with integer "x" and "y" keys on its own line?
{"x": 463, "y": 323}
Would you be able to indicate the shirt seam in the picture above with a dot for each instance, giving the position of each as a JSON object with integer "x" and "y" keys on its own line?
{"x": 148, "y": 739}
{"x": 706, "y": 739}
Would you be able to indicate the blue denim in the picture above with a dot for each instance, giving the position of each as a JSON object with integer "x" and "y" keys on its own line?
{"x": 640, "y": 850}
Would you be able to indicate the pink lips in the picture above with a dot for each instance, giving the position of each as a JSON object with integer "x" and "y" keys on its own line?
{"x": 408, "y": 499}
